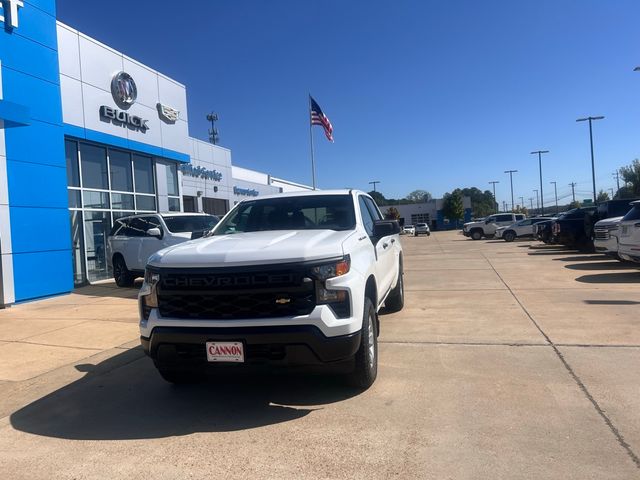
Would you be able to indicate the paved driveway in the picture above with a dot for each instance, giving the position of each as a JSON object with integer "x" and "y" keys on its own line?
{"x": 509, "y": 361}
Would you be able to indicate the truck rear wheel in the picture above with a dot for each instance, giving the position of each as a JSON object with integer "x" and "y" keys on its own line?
{"x": 366, "y": 361}
{"x": 509, "y": 236}
{"x": 476, "y": 235}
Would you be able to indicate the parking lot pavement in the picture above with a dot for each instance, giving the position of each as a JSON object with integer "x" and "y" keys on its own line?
{"x": 509, "y": 361}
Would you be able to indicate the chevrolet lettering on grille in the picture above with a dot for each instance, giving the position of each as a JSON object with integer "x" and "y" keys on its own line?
{"x": 227, "y": 281}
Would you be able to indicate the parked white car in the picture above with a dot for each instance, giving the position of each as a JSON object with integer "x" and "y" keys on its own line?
{"x": 629, "y": 242}
{"x": 409, "y": 230}
{"x": 606, "y": 236}
{"x": 487, "y": 227}
{"x": 289, "y": 280}
{"x": 134, "y": 239}
{"x": 520, "y": 229}
{"x": 422, "y": 229}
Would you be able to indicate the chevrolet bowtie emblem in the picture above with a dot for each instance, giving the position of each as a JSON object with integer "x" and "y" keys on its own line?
{"x": 282, "y": 301}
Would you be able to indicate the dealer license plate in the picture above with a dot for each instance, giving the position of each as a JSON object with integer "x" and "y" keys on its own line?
{"x": 232, "y": 352}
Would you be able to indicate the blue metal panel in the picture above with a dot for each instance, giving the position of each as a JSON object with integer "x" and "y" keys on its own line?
{"x": 29, "y": 57}
{"x": 99, "y": 137}
{"x": 48, "y": 6}
{"x": 14, "y": 114}
{"x": 38, "y": 143}
{"x": 37, "y": 26}
{"x": 42, "y": 274}
{"x": 38, "y": 229}
{"x": 36, "y": 185}
{"x": 40, "y": 96}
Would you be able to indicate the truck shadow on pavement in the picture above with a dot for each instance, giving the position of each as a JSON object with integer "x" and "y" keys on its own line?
{"x": 626, "y": 277}
{"x": 612, "y": 265}
{"x": 124, "y": 398}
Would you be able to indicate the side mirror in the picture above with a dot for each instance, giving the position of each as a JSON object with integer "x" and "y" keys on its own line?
{"x": 155, "y": 232}
{"x": 488, "y": 221}
{"x": 384, "y": 228}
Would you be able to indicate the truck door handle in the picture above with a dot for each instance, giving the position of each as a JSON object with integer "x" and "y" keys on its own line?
{"x": 385, "y": 245}
{"x": 393, "y": 240}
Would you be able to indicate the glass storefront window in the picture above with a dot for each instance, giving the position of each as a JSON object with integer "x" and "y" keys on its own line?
{"x": 96, "y": 227}
{"x": 172, "y": 179}
{"x": 75, "y": 200}
{"x": 117, "y": 215}
{"x": 73, "y": 172}
{"x": 174, "y": 204}
{"x": 145, "y": 202}
{"x": 95, "y": 199}
{"x": 120, "y": 170}
{"x": 143, "y": 171}
{"x": 94, "y": 166}
{"x": 77, "y": 247}
{"x": 122, "y": 201}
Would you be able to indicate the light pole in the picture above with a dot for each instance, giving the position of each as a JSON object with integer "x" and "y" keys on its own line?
{"x": 521, "y": 201}
{"x": 573, "y": 190}
{"x": 511, "y": 172}
{"x": 540, "y": 152}
{"x": 537, "y": 201}
{"x": 555, "y": 189}
{"x": 531, "y": 200}
{"x": 612, "y": 194}
{"x": 495, "y": 202}
{"x": 617, "y": 177}
{"x": 593, "y": 163}
{"x": 374, "y": 183}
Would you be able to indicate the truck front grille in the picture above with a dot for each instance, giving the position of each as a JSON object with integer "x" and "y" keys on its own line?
{"x": 228, "y": 294}
{"x": 602, "y": 233}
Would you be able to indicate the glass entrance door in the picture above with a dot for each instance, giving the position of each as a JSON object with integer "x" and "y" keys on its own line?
{"x": 77, "y": 249}
{"x": 96, "y": 227}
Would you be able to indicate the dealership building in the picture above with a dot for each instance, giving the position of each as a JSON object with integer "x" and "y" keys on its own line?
{"x": 88, "y": 135}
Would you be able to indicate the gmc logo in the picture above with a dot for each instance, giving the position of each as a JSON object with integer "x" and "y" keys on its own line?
{"x": 211, "y": 281}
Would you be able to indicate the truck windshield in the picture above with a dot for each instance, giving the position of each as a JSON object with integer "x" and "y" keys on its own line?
{"x": 306, "y": 212}
{"x": 190, "y": 223}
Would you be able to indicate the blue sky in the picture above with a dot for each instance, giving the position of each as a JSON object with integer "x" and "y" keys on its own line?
{"x": 422, "y": 94}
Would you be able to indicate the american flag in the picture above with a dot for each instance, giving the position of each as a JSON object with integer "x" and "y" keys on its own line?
{"x": 319, "y": 118}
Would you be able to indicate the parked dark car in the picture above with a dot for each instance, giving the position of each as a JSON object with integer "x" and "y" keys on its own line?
{"x": 542, "y": 230}
{"x": 575, "y": 228}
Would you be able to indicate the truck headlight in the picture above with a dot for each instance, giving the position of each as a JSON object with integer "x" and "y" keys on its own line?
{"x": 148, "y": 293}
{"x": 331, "y": 270}
{"x": 338, "y": 300}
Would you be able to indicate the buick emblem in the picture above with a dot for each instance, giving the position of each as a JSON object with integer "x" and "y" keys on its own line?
{"x": 124, "y": 89}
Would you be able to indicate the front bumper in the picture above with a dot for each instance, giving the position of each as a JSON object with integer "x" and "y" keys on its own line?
{"x": 608, "y": 246}
{"x": 281, "y": 346}
{"x": 629, "y": 252}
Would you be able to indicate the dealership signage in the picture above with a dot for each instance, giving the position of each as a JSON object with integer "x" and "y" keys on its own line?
{"x": 118, "y": 117}
{"x": 9, "y": 12}
{"x": 249, "y": 192}
{"x": 200, "y": 172}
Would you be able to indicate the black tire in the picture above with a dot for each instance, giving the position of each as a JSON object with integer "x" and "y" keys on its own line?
{"x": 476, "y": 234}
{"x": 509, "y": 236}
{"x": 178, "y": 377}
{"x": 366, "y": 360}
{"x": 121, "y": 274}
{"x": 395, "y": 299}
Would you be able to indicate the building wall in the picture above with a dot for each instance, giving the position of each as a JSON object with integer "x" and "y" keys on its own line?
{"x": 433, "y": 208}
{"x": 87, "y": 68}
{"x": 38, "y": 243}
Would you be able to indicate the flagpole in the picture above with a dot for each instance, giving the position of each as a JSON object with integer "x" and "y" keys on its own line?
{"x": 313, "y": 162}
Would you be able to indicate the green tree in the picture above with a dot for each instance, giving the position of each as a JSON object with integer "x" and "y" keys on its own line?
{"x": 392, "y": 213}
{"x": 419, "y": 196}
{"x": 378, "y": 198}
{"x": 631, "y": 176}
{"x": 575, "y": 204}
{"x": 452, "y": 206}
{"x": 482, "y": 203}
{"x": 602, "y": 196}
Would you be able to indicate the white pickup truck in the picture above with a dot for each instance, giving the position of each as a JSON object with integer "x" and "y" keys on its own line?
{"x": 293, "y": 280}
{"x": 487, "y": 227}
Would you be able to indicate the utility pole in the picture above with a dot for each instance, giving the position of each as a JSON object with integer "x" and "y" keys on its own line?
{"x": 511, "y": 172}
{"x": 504, "y": 206}
{"x": 593, "y": 163}
{"x": 495, "y": 202}
{"x": 374, "y": 183}
{"x": 531, "y": 200}
{"x": 537, "y": 201}
{"x": 521, "y": 201}
{"x": 617, "y": 175}
{"x": 213, "y": 131}
{"x": 573, "y": 190}
{"x": 555, "y": 189}
{"x": 540, "y": 152}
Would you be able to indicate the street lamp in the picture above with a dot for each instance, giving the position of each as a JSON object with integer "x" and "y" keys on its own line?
{"x": 495, "y": 202}
{"x": 537, "y": 201}
{"x": 555, "y": 188}
{"x": 593, "y": 164}
{"x": 540, "y": 152}
{"x": 521, "y": 201}
{"x": 511, "y": 172}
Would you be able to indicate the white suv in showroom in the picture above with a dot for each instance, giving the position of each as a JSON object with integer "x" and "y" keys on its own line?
{"x": 629, "y": 231}
{"x": 134, "y": 239}
{"x": 293, "y": 280}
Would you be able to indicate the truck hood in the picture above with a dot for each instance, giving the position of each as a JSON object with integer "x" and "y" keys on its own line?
{"x": 253, "y": 248}
{"x": 609, "y": 221}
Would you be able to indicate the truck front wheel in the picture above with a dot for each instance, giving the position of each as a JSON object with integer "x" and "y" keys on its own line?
{"x": 366, "y": 361}
{"x": 476, "y": 234}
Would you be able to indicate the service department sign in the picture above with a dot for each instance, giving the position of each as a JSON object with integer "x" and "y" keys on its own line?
{"x": 124, "y": 90}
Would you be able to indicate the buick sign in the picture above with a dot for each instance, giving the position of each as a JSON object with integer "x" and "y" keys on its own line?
{"x": 125, "y": 119}
{"x": 124, "y": 90}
